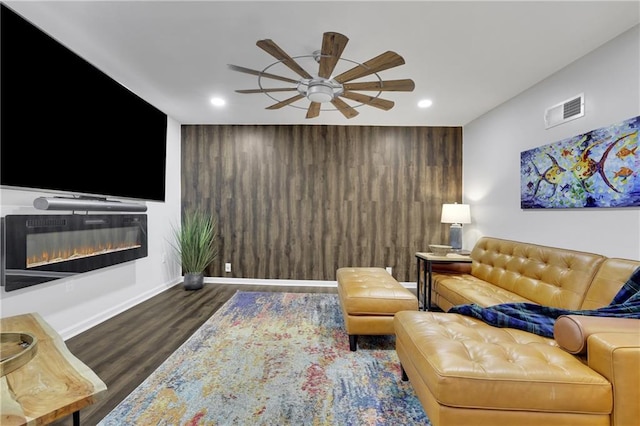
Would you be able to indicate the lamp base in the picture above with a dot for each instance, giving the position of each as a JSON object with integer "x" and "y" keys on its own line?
{"x": 455, "y": 236}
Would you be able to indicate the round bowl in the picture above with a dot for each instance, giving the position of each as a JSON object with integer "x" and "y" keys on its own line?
{"x": 439, "y": 249}
{"x": 16, "y": 349}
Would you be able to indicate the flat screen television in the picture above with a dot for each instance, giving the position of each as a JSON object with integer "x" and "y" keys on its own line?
{"x": 66, "y": 127}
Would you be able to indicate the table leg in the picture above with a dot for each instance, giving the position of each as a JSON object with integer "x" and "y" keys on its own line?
{"x": 76, "y": 418}
{"x": 424, "y": 285}
{"x": 418, "y": 283}
{"x": 428, "y": 290}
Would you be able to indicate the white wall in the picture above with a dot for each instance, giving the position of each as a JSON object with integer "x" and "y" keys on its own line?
{"x": 72, "y": 305}
{"x": 609, "y": 77}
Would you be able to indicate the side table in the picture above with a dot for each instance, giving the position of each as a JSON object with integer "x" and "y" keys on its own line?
{"x": 425, "y": 263}
{"x": 52, "y": 385}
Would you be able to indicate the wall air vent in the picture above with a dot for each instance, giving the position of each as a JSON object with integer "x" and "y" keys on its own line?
{"x": 565, "y": 111}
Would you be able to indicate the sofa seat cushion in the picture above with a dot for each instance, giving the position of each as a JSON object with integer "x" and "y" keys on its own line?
{"x": 465, "y": 289}
{"x": 466, "y": 363}
{"x": 372, "y": 291}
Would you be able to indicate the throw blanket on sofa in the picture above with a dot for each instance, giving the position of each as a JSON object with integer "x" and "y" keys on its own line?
{"x": 540, "y": 319}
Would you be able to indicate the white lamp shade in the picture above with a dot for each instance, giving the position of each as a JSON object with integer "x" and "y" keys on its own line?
{"x": 456, "y": 213}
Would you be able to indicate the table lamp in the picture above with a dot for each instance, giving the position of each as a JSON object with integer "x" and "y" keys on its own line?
{"x": 455, "y": 214}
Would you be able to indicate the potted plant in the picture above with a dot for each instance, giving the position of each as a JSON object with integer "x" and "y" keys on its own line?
{"x": 195, "y": 244}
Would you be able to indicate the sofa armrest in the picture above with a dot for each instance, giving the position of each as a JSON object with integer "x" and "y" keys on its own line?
{"x": 616, "y": 356}
{"x": 572, "y": 331}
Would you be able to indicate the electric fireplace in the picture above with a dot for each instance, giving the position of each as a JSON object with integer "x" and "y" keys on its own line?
{"x": 40, "y": 248}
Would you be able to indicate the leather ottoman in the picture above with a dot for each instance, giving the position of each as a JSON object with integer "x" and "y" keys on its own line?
{"x": 369, "y": 298}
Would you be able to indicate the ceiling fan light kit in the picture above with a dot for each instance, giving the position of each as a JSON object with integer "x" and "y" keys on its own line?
{"x": 323, "y": 88}
{"x": 319, "y": 91}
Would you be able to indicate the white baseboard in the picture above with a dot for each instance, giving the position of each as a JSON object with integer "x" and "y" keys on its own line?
{"x": 88, "y": 323}
{"x": 278, "y": 282}
{"x": 274, "y": 282}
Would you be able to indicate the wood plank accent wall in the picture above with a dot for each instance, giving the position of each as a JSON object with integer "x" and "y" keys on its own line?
{"x": 299, "y": 201}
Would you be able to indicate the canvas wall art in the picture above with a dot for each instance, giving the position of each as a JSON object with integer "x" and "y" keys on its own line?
{"x": 595, "y": 169}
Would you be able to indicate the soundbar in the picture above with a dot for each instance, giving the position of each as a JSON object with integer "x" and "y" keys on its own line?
{"x": 86, "y": 204}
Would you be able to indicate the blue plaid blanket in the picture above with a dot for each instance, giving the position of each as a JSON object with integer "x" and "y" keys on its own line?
{"x": 540, "y": 319}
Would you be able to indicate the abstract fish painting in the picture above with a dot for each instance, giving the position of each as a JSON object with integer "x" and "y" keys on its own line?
{"x": 599, "y": 168}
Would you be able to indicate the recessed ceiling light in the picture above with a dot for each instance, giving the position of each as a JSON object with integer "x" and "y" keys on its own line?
{"x": 217, "y": 102}
{"x": 425, "y": 103}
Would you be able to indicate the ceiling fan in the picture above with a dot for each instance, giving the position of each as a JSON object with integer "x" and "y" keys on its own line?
{"x": 323, "y": 87}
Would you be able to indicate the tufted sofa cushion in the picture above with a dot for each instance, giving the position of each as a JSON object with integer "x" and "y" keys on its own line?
{"x": 372, "y": 291}
{"x": 548, "y": 276}
{"x": 466, "y": 363}
{"x": 611, "y": 276}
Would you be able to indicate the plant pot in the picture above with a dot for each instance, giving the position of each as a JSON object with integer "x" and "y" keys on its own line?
{"x": 193, "y": 280}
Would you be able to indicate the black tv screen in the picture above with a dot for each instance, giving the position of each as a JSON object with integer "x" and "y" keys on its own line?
{"x": 67, "y": 127}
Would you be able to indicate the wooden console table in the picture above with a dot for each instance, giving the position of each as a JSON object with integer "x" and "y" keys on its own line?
{"x": 52, "y": 385}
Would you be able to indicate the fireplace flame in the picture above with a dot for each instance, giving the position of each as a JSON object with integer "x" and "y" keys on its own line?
{"x": 67, "y": 254}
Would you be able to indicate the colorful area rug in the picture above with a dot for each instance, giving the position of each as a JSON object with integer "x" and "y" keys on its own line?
{"x": 275, "y": 359}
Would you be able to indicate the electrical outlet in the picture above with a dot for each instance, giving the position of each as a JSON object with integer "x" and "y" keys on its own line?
{"x": 389, "y": 270}
{"x": 227, "y": 267}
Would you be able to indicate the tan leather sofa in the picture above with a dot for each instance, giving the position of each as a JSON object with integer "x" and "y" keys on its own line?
{"x": 466, "y": 372}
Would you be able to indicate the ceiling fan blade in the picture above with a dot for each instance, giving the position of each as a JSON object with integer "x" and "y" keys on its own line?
{"x": 314, "y": 110}
{"x": 274, "y": 50}
{"x": 283, "y": 89}
{"x": 406, "y": 85}
{"x": 262, "y": 74}
{"x": 333, "y": 45}
{"x": 286, "y": 102}
{"x": 344, "y": 108}
{"x": 369, "y": 100}
{"x": 381, "y": 62}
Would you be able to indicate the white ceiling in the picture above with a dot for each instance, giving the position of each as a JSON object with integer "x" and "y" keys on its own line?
{"x": 468, "y": 57}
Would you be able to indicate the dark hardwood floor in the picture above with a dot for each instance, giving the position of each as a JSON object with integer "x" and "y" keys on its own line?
{"x": 127, "y": 348}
